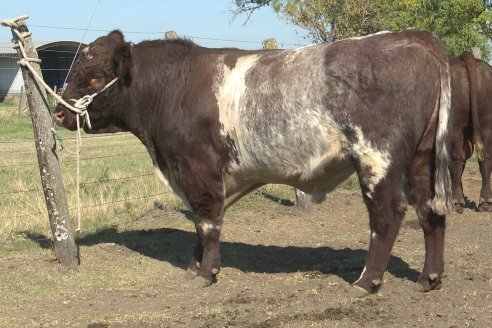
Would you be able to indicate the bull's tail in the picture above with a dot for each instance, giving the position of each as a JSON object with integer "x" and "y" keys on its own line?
{"x": 471, "y": 70}
{"x": 442, "y": 203}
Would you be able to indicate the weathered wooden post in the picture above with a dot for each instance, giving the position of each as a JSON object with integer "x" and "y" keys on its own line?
{"x": 20, "y": 101}
{"x": 170, "y": 35}
{"x": 477, "y": 53}
{"x": 49, "y": 167}
{"x": 270, "y": 43}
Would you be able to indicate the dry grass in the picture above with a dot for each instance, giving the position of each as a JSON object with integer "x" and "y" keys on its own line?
{"x": 117, "y": 181}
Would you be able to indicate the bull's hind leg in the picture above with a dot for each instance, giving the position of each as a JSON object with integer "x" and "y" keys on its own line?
{"x": 485, "y": 204}
{"x": 456, "y": 167}
{"x": 421, "y": 181}
{"x": 386, "y": 205}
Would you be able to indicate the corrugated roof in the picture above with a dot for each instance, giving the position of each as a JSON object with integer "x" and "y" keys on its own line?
{"x": 7, "y": 48}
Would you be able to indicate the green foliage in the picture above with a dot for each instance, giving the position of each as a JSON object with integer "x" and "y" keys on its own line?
{"x": 460, "y": 24}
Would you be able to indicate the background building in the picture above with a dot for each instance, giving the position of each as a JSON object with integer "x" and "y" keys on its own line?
{"x": 56, "y": 59}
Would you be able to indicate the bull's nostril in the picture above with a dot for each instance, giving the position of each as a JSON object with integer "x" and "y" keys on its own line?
{"x": 59, "y": 115}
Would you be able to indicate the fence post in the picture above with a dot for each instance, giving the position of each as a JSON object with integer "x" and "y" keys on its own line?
{"x": 170, "y": 35}
{"x": 477, "y": 53}
{"x": 270, "y": 43}
{"x": 20, "y": 101}
{"x": 49, "y": 167}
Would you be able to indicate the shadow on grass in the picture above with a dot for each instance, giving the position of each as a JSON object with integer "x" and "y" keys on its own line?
{"x": 176, "y": 246}
{"x": 42, "y": 240}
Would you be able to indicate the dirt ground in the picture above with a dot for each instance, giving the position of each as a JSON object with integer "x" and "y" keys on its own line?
{"x": 282, "y": 267}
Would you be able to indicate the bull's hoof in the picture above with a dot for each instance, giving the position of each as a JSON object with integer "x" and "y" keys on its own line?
{"x": 428, "y": 282}
{"x": 458, "y": 208}
{"x": 200, "y": 281}
{"x": 192, "y": 270}
{"x": 358, "y": 292}
{"x": 485, "y": 207}
{"x": 190, "y": 273}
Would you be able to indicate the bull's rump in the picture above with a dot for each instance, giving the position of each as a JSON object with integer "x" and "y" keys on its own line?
{"x": 301, "y": 116}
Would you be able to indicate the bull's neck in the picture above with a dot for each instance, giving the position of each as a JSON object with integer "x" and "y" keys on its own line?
{"x": 148, "y": 100}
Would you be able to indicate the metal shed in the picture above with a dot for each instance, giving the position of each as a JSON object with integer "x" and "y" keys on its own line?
{"x": 56, "y": 58}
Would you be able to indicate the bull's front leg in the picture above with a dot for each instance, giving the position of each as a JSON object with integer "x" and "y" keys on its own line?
{"x": 386, "y": 208}
{"x": 205, "y": 262}
{"x": 204, "y": 190}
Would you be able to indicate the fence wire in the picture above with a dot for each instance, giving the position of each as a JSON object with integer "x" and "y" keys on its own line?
{"x": 18, "y": 148}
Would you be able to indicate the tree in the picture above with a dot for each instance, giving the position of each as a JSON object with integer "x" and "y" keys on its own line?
{"x": 325, "y": 21}
{"x": 460, "y": 24}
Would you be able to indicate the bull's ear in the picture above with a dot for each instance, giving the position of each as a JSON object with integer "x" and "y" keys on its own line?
{"x": 122, "y": 63}
{"x": 117, "y": 35}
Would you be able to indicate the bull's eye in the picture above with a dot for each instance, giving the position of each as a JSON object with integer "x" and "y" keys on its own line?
{"x": 96, "y": 83}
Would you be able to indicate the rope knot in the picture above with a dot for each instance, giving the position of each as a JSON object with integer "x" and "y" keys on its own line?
{"x": 80, "y": 108}
{"x": 82, "y": 103}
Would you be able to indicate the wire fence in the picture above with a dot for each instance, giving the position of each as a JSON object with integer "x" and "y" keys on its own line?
{"x": 20, "y": 147}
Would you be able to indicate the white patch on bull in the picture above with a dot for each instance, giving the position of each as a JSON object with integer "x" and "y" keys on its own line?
{"x": 231, "y": 90}
{"x": 168, "y": 181}
{"x": 368, "y": 36}
{"x": 208, "y": 227}
{"x": 303, "y": 48}
{"x": 86, "y": 53}
{"x": 374, "y": 160}
{"x": 280, "y": 123}
{"x": 361, "y": 275}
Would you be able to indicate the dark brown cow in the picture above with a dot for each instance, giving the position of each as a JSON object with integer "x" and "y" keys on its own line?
{"x": 471, "y": 125}
{"x": 219, "y": 123}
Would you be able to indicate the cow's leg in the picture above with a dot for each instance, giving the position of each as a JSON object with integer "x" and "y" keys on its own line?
{"x": 456, "y": 167}
{"x": 485, "y": 204}
{"x": 204, "y": 190}
{"x": 205, "y": 262}
{"x": 386, "y": 205}
{"x": 433, "y": 225}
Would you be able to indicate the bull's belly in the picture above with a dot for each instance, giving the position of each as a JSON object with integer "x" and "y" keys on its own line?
{"x": 315, "y": 181}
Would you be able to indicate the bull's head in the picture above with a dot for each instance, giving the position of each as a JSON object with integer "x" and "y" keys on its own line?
{"x": 103, "y": 60}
